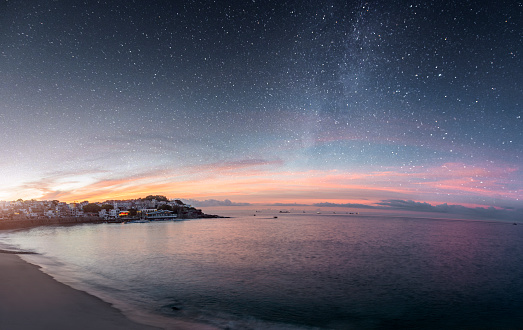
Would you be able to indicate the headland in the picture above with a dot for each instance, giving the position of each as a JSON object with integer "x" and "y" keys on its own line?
{"x": 22, "y": 214}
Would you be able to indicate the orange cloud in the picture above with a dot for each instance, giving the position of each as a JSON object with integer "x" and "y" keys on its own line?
{"x": 261, "y": 181}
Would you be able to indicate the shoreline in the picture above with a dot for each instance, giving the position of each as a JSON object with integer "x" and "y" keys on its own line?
{"x": 2, "y": 251}
{"x": 35, "y": 299}
{"x": 32, "y": 299}
{"x": 37, "y": 222}
{"x": 68, "y": 221}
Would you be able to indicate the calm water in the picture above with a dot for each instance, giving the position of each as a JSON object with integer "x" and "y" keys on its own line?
{"x": 296, "y": 271}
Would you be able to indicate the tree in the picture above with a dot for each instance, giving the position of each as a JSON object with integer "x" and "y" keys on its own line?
{"x": 91, "y": 208}
{"x": 133, "y": 212}
{"x": 107, "y": 207}
{"x": 165, "y": 207}
{"x": 157, "y": 197}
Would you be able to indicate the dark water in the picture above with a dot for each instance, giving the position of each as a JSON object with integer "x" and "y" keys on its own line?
{"x": 296, "y": 271}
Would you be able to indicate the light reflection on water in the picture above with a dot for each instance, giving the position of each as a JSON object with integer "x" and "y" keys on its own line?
{"x": 333, "y": 271}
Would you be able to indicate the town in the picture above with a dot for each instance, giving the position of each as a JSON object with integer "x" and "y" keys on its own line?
{"x": 22, "y": 213}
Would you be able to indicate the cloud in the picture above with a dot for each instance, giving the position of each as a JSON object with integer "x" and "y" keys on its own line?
{"x": 353, "y": 205}
{"x": 273, "y": 181}
{"x": 501, "y": 213}
{"x": 481, "y": 212}
{"x": 287, "y": 204}
{"x": 213, "y": 202}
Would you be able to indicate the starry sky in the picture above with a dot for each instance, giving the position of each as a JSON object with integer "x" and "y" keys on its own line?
{"x": 340, "y": 102}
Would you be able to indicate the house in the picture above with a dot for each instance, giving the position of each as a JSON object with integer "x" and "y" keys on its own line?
{"x": 113, "y": 213}
{"x": 103, "y": 214}
{"x": 50, "y": 213}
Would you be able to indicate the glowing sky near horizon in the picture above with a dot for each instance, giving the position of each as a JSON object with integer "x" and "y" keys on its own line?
{"x": 262, "y": 101}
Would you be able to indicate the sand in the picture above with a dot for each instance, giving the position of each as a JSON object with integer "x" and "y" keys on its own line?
{"x": 31, "y": 299}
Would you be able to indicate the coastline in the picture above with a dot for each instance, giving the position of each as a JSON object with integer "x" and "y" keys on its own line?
{"x": 31, "y": 223}
{"x": 32, "y": 299}
{"x": 68, "y": 221}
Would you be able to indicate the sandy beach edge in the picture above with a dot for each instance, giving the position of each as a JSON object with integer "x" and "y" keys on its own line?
{"x": 25, "y": 285}
{"x": 32, "y": 299}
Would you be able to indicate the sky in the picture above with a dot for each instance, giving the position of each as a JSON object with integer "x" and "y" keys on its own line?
{"x": 378, "y": 103}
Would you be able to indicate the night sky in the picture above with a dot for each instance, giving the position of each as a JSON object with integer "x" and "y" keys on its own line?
{"x": 375, "y": 103}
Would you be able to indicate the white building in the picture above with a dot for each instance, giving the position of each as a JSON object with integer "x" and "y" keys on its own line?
{"x": 113, "y": 213}
{"x": 50, "y": 213}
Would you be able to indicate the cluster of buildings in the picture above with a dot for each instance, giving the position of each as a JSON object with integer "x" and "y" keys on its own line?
{"x": 110, "y": 209}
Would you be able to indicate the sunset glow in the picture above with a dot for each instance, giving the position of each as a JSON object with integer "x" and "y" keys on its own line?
{"x": 342, "y": 104}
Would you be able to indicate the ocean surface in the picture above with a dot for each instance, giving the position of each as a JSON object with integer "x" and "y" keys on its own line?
{"x": 297, "y": 271}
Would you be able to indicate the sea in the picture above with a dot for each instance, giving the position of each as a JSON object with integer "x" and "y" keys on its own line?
{"x": 270, "y": 270}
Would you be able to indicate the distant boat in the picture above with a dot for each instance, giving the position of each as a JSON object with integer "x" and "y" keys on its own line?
{"x": 285, "y": 212}
{"x": 515, "y": 224}
{"x": 275, "y": 217}
{"x": 318, "y": 213}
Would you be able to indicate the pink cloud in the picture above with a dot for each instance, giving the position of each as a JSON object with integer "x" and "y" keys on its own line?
{"x": 258, "y": 180}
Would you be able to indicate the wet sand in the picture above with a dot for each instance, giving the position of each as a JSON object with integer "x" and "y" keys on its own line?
{"x": 31, "y": 299}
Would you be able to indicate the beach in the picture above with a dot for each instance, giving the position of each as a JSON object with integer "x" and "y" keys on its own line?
{"x": 31, "y": 299}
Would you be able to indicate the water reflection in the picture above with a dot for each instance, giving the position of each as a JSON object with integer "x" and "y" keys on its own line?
{"x": 333, "y": 271}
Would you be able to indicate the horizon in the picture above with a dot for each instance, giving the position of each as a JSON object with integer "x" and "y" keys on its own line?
{"x": 406, "y": 208}
{"x": 394, "y": 106}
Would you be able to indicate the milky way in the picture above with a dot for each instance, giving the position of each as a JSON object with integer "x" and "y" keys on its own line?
{"x": 262, "y": 101}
